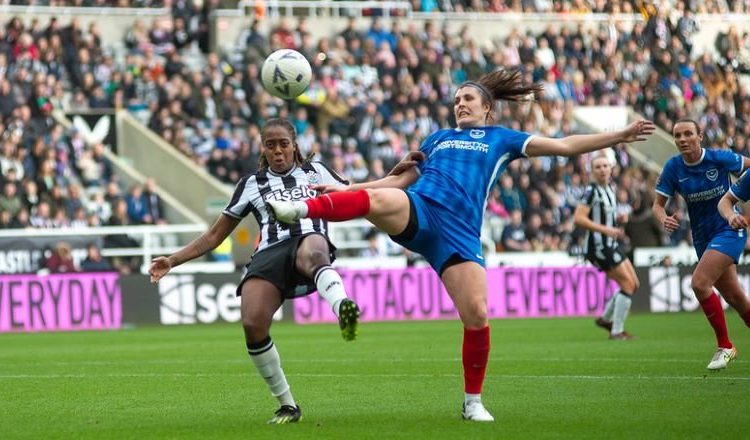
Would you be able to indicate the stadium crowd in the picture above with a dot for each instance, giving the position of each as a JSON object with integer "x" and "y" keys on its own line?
{"x": 378, "y": 91}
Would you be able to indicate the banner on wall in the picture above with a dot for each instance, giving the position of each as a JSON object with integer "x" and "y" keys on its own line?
{"x": 30, "y": 303}
{"x": 669, "y": 287}
{"x": 27, "y": 254}
{"x": 418, "y": 294}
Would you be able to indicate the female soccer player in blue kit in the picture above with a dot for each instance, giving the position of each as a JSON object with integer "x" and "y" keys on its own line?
{"x": 701, "y": 176}
{"x": 440, "y": 215}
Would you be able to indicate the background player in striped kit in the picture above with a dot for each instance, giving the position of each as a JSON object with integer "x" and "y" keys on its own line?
{"x": 701, "y": 176}
{"x": 290, "y": 260}
{"x": 440, "y": 215}
{"x": 597, "y": 213}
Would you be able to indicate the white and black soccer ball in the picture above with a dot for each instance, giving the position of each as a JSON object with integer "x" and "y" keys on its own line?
{"x": 286, "y": 73}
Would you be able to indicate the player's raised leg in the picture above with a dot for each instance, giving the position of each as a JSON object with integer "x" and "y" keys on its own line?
{"x": 709, "y": 269}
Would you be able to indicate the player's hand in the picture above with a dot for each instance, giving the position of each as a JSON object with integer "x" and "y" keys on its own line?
{"x": 637, "y": 131}
{"x": 325, "y": 189}
{"x": 670, "y": 223}
{"x": 616, "y": 233}
{"x": 739, "y": 221}
{"x": 159, "y": 267}
{"x": 409, "y": 161}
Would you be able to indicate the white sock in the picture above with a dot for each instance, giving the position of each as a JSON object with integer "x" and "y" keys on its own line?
{"x": 267, "y": 361}
{"x": 609, "y": 309}
{"x": 472, "y": 398}
{"x": 622, "y": 307}
{"x": 330, "y": 287}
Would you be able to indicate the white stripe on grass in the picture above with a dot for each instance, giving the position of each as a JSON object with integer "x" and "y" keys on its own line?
{"x": 240, "y": 360}
{"x": 573, "y": 377}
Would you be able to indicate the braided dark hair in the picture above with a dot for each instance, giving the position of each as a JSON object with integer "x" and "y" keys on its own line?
{"x": 280, "y": 122}
{"x": 506, "y": 85}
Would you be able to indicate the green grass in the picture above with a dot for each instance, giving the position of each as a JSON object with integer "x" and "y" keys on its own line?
{"x": 557, "y": 378}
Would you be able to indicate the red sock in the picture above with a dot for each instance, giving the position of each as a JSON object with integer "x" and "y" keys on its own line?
{"x": 712, "y": 309}
{"x": 476, "y": 350}
{"x": 746, "y": 317}
{"x": 339, "y": 206}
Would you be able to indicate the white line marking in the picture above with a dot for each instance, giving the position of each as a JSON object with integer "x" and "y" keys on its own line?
{"x": 576, "y": 377}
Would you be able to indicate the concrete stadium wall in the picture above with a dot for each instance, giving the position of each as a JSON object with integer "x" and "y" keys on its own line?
{"x": 190, "y": 184}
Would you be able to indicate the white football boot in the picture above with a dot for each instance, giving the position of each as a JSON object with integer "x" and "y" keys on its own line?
{"x": 722, "y": 358}
{"x": 287, "y": 212}
{"x": 475, "y": 411}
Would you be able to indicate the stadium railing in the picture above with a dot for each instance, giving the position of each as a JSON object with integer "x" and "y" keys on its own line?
{"x": 314, "y": 8}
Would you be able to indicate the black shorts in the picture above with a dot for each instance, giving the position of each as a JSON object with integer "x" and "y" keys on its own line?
{"x": 276, "y": 265}
{"x": 606, "y": 258}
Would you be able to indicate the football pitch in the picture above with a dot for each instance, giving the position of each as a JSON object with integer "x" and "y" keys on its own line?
{"x": 548, "y": 378}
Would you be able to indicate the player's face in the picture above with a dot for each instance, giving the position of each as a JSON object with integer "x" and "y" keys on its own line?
{"x": 469, "y": 109}
{"x": 278, "y": 148}
{"x": 687, "y": 138}
{"x": 601, "y": 170}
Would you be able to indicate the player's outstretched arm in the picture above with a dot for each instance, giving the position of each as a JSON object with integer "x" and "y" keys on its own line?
{"x": 207, "y": 241}
{"x": 668, "y": 222}
{"x": 584, "y": 143}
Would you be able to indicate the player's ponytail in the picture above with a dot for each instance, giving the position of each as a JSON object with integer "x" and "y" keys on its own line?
{"x": 506, "y": 85}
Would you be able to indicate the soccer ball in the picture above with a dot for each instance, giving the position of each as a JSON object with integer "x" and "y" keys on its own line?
{"x": 286, "y": 74}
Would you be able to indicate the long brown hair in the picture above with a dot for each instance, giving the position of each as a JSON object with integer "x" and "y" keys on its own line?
{"x": 286, "y": 125}
{"x": 506, "y": 85}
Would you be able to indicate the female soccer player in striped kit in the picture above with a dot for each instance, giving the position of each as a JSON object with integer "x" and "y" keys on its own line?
{"x": 701, "y": 176}
{"x": 597, "y": 213}
{"x": 440, "y": 215}
{"x": 290, "y": 260}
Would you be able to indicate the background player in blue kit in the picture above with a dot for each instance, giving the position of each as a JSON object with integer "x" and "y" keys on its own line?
{"x": 702, "y": 177}
{"x": 440, "y": 215}
{"x": 289, "y": 261}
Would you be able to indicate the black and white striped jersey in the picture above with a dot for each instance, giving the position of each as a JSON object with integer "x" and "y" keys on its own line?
{"x": 601, "y": 200}
{"x": 254, "y": 190}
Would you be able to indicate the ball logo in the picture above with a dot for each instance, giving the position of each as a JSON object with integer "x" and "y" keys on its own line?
{"x": 476, "y": 134}
{"x": 712, "y": 174}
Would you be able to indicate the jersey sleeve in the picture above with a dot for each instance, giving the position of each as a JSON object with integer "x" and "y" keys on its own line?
{"x": 241, "y": 203}
{"x": 741, "y": 188}
{"x": 517, "y": 141}
{"x": 732, "y": 161}
{"x": 588, "y": 196}
{"x": 665, "y": 185}
{"x": 327, "y": 175}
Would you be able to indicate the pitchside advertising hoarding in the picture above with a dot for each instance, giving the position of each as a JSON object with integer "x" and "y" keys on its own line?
{"x": 105, "y": 301}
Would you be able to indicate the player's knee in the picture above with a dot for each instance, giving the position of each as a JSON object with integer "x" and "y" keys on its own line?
{"x": 255, "y": 331}
{"x": 475, "y": 313}
{"x": 634, "y": 284}
{"x": 314, "y": 259}
{"x": 700, "y": 284}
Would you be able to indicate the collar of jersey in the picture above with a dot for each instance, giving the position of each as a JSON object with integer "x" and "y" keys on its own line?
{"x": 697, "y": 162}
{"x": 274, "y": 173}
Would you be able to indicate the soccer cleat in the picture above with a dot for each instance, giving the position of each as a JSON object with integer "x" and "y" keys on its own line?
{"x": 475, "y": 411}
{"x": 623, "y": 336}
{"x": 722, "y": 358}
{"x": 287, "y": 212}
{"x": 286, "y": 414}
{"x": 603, "y": 323}
{"x": 348, "y": 319}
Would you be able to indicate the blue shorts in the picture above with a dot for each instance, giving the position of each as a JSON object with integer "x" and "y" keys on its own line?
{"x": 438, "y": 234}
{"x": 728, "y": 242}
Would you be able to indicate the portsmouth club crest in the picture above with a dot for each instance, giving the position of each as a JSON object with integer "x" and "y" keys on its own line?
{"x": 476, "y": 133}
{"x": 712, "y": 174}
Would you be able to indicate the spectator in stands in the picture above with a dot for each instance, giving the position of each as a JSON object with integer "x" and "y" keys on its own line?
{"x": 94, "y": 261}
{"x": 514, "y": 237}
{"x": 61, "y": 260}
{"x": 10, "y": 201}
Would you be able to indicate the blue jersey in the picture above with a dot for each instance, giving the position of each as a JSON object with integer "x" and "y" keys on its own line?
{"x": 741, "y": 188}
{"x": 462, "y": 165}
{"x": 701, "y": 184}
